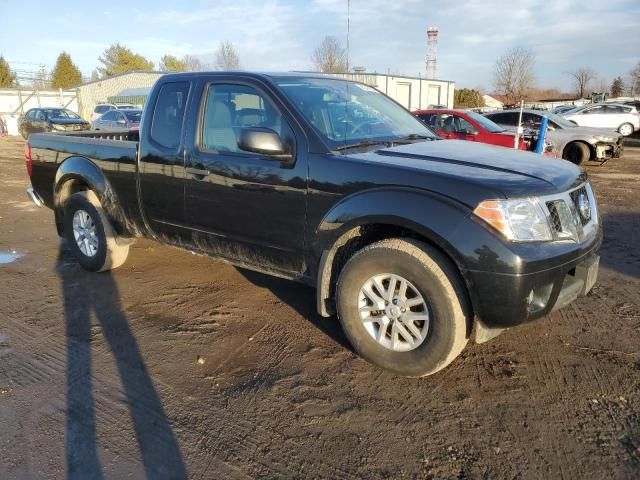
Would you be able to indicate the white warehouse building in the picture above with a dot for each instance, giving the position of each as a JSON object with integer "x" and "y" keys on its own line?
{"x": 414, "y": 93}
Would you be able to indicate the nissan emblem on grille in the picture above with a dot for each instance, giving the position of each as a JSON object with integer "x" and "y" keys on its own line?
{"x": 582, "y": 202}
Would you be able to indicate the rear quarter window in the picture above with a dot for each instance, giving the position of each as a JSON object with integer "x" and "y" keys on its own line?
{"x": 168, "y": 114}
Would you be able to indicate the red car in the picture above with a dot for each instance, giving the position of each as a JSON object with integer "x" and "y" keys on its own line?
{"x": 470, "y": 126}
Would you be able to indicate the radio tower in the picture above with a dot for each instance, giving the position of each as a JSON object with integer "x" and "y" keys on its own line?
{"x": 432, "y": 52}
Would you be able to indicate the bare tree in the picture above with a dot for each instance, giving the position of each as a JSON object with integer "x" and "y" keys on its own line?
{"x": 634, "y": 80}
{"x": 194, "y": 64}
{"x": 227, "y": 57}
{"x": 581, "y": 78}
{"x": 514, "y": 73}
{"x": 330, "y": 56}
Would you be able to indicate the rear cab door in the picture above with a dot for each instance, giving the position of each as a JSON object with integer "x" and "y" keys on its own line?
{"x": 161, "y": 169}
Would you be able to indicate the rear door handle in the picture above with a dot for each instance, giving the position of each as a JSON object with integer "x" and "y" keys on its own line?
{"x": 198, "y": 172}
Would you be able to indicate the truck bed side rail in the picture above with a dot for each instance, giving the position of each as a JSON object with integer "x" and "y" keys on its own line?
{"x": 106, "y": 135}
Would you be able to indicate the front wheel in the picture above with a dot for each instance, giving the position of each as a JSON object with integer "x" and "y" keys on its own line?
{"x": 90, "y": 235}
{"x": 625, "y": 129}
{"x": 577, "y": 152}
{"x": 403, "y": 307}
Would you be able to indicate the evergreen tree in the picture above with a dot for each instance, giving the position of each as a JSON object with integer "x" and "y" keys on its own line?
{"x": 169, "y": 63}
{"x": 467, "y": 98}
{"x": 65, "y": 73}
{"x": 118, "y": 59}
{"x": 617, "y": 87}
{"x": 7, "y": 77}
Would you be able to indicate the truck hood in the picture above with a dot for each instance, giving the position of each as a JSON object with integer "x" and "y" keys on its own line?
{"x": 483, "y": 171}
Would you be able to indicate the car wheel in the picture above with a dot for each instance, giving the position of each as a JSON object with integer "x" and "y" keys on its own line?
{"x": 576, "y": 152}
{"x": 625, "y": 129}
{"x": 90, "y": 235}
{"x": 403, "y": 307}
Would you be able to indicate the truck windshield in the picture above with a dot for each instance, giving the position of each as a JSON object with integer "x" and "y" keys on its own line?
{"x": 345, "y": 112}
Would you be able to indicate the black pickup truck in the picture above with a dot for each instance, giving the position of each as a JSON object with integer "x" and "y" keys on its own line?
{"x": 416, "y": 244}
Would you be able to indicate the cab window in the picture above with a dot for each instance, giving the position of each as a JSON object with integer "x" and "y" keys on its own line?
{"x": 230, "y": 108}
{"x": 168, "y": 114}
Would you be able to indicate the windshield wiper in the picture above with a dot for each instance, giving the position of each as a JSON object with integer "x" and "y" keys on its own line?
{"x": 410, "y": 138}
{"x": 363, "y": 144}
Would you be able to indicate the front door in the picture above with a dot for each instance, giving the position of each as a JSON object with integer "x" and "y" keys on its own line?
{"x": 245, "y": 206}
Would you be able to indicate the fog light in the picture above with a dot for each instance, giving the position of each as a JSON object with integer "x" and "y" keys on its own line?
{"x": 538, "y": 297}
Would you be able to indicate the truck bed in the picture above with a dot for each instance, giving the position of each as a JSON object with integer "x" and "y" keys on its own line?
{"x": 114, "y": 153}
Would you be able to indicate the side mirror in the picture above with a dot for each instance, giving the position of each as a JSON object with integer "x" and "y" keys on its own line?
{"x": 471, "y": 132}
{"x": 262, "y": 140}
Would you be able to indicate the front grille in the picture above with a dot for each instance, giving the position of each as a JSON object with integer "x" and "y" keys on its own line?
{"x": 572, "y": 215}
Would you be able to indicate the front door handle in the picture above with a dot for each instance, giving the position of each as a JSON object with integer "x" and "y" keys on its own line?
{"x": 197, "y": 171}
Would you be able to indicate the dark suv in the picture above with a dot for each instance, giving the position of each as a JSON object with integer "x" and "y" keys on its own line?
{"x": 50, "y": 120}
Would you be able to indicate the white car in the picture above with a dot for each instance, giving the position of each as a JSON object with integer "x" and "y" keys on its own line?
{"x": 613, "y": 116}
{"x": 102, "y": 108}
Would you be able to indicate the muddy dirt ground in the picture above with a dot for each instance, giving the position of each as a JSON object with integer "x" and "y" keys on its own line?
{"x": 177, "y": 365}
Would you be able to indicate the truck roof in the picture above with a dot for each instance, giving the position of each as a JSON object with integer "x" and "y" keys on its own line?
{"x": 250, "y": 74}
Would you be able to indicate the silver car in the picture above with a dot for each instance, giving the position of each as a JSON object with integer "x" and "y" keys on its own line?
{"x": 122, "y": 120}
{"x": 573, "y": 143}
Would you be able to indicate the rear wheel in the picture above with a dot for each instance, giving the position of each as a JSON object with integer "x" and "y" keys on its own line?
{"x": 90, "y": 235}
{"x": 577, "y": 153}
{"x": 625, "y": 129}
{"x": 402, "y": 305}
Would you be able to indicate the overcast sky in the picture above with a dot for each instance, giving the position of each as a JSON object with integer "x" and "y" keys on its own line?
{"x": 282, "y": 34}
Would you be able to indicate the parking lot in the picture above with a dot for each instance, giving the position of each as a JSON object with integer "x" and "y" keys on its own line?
{"x": 178, "y": 365}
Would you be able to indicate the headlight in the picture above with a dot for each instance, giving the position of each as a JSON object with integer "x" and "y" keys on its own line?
{"x": 519, "y": 220}
{"x": 602, "y": 138}
{"x": 55, "y": 126}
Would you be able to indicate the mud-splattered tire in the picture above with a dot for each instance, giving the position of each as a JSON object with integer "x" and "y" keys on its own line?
{"x": 430, "y": 275}
{"x": 576, "y": 152}
{"x": 92, "y": 238}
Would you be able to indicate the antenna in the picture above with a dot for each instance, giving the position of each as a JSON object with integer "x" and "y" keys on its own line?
{"x": 348, "y": 22}
{"x": 432, "y": 52}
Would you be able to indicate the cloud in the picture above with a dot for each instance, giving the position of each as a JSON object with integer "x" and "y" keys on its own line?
{"x": 282, "y": 34}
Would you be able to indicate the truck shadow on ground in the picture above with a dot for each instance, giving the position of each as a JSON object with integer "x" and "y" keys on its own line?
{"x": 86, "y": 294}
{"x": 302, "y": 299}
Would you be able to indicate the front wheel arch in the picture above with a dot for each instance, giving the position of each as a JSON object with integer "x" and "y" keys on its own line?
{"x": 361, "y": 236}
{"x": 584, "y": 152}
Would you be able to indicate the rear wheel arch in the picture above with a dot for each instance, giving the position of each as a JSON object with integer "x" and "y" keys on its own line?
{"x": 631, "y": 128}
{"x": 79, "y": 174}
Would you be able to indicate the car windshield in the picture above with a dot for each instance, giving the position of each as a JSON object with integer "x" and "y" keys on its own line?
{"x": 347, "y": 113}
{"x": 560, "y": 121}
{"x": 59, "y": 113}
{"x": 487, "y": 124}
{"x": 133, "y": 116}
{"x": 575, "y": 110}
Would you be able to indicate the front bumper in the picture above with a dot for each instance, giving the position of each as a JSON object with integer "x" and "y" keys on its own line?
{"x": 605, "y": 151}
{"x": 503, "y": 300}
